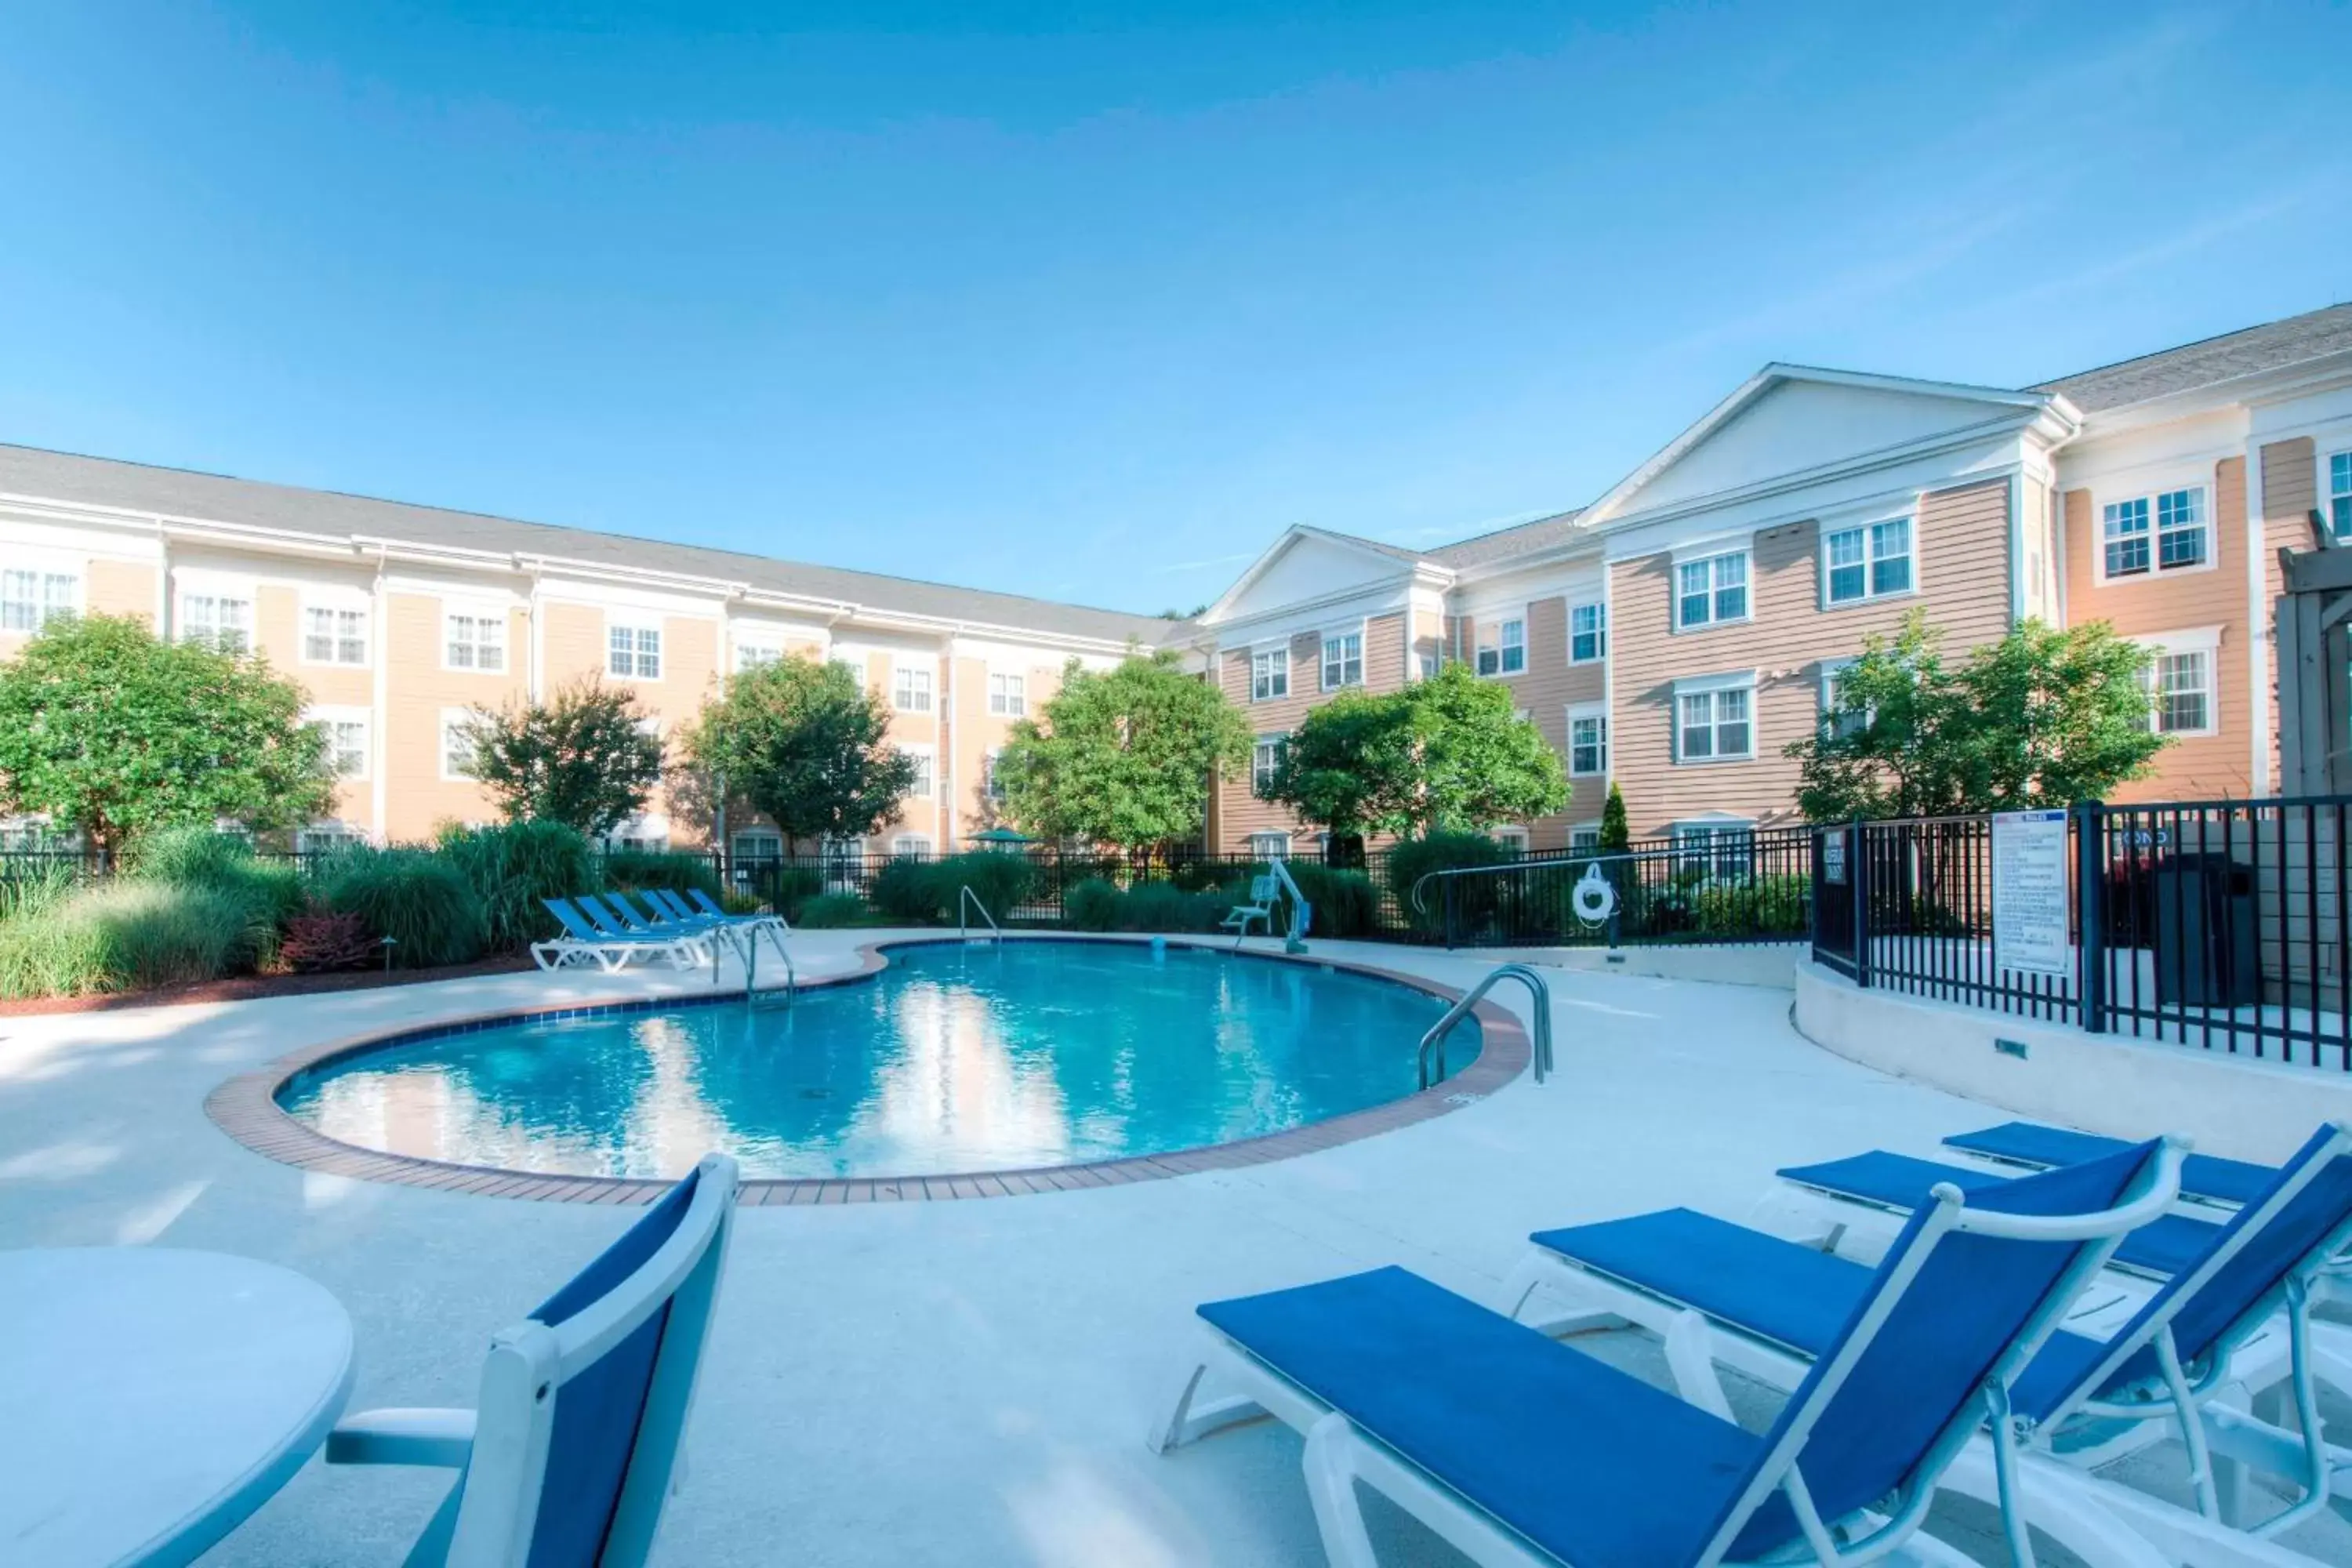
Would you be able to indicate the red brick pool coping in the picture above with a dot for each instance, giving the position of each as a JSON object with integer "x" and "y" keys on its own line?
{"x": 247, "y": 1109}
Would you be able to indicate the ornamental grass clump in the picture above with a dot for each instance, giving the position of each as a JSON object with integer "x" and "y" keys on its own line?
{"x": 267, "y": 893}
{"x": 419, "y": 899}
{"x": 126, "y": 936}
{"x": 512, "y": 867}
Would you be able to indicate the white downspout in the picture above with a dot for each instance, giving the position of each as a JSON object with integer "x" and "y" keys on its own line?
{"x": 379, "y": 711}
{"x": 2258, "y": 625}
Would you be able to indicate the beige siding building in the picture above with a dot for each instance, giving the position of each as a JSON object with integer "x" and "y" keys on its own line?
{"x": 1674, "y": 636}
{"x": 400, "y": 621}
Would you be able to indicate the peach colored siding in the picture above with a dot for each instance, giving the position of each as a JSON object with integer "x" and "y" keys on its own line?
{"x": 416, "y": 796}
{"x": 1236, "y": 810}
{"x": 1544, "y": 691}
{"x": 2290, "y": 482}
{"x": 121, "y": 588}
{"x": 2192, "y": 767}
{"x": 1963, "y": 576}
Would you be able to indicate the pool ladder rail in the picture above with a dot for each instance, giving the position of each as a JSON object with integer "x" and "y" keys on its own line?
{"x": 967, "y": 900}
{"x": 1539, "y": 993}
{"x": 750, "y": 951}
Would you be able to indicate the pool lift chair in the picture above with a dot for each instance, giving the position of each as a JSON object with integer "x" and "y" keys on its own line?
{"x": 1266, "y": 893}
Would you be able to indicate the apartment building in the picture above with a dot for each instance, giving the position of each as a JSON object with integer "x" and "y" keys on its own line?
{"x": 1674, "y": 636}
{"x": 1677, "y": 634}
{"x": 401, "y": 620}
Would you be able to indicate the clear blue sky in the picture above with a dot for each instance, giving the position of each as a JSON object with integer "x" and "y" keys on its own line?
{"x": 1092, "y": 300}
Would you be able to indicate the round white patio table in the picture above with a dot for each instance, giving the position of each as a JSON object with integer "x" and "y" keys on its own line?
{"x": 152, "y": 1398}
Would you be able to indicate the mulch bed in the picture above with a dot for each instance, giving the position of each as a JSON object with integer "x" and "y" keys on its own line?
{"x": 249, "y": 987}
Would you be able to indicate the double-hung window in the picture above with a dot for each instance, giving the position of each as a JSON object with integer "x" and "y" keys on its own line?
{"x": 1343, "y": 662}
{"x": 2180, "y": 681}
{"x": 332, "y": 636}
{"x": 633, "y": 652}
{"x": 31, "y": 599}
{"x": 1584, "y": 839}
{"x": 750, "y": 656}
{"x": 1715, "y": 722}
{"x": 1713, "y": 588}
{"x": 456, "y": 744}
{"x": 1838, "y": 723}
{"x": 2339, "y": 493}
{"x": 1269, "y": 846}
{"x": 1725, "y": 851}
{"x": 347, "y": 746}
{"x": 1008, "y": 695}
{"x": 2164, "y": 532}
{"x": 1587, "y": 633}
{"x": 225, "y": 620}
{"x": 1269, "y": 674}
{"x": 1503, "y": 648}
{"x": 1264, "y": 757}
{"x": 1869, "y": 562}
{"x": 910, "y": 688}
{"x": 992, "y": 775}
{"x": 923, "y": 773}
{"x": 476, "y": 640}
{"x": 1588, "y": 740}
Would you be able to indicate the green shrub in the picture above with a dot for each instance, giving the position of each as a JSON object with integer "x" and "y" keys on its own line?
{"x": 1156, "y": 907}
{"x": 785, "y": 887}
{"x": 735, "y": 903}
{"x": 124, "y": 936}
{"x": 906, "y": 890}
{"x": 1766, "y": 906}
{"x": 1001, "y": 882}
{"x": 1091, "y": 905}
{"x": 827, "y": 911}
{"x": 28, "y": 892}
{"x": 1346, "y": 904}
{"x": 1411, "y": 859}
{"x": 267, "y": 893}
{"x": 511, "y": 868}
{"x": 634, "y": 870}
{"x": 1203, "y": 876}
{"x": 417, "y": 898}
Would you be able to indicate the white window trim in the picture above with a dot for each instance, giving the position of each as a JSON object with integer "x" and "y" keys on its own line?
{"x": 349, "y": 713}
{"x": 441, "y": 745}
{"x": 1576, "y": 710}
{"x": 2206, "y": 640}
{"x": 1512, "y": 836}
{"x": 988, "y": 692}
{"x": 1864, "y": 525}
{"x": 2202, "y": 479}
{"x": 1360, "y": 631}
{"x": 333, "y": 603}
{"x": 929, "y": 671}
{"x": 208, "y": 585}
{"x": 1593, "y": 827}
{"x": 1691, "y": 686}
{"x": 47, "y": 563}
{"x": 1831, "y": 668}
{"x": 1263, "y": 843}
{"x": 924, "y": 751}
{"x": 1493, "y": 619}
{"x": 2325, "y": 478}
{"x": 1674, "y": 623}
{"x": 1601, "y": 605}
{"x": 910, "y": 844}
{"x": 1714, "y": 544}
{"x": 759, "y": 650}
{"x": 1274, "y": 740}
{"x": 327, "y": 827}
{"x": 736, "y": 843}
{"x": 1258, "y": 650}
{"x": 480, "y": 612}
{"x": 634, "y": 624}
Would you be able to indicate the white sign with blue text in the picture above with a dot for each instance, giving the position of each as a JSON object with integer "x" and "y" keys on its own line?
{"x": 2029, "y": 892}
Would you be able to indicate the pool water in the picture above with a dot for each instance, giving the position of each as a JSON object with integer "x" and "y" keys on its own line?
{"x": 955, "y": 1058}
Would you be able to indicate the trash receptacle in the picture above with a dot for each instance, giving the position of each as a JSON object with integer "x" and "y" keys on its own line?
{"x": 2204, "y": 928}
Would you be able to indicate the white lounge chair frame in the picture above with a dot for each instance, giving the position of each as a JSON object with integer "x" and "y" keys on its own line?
{"x": 2103, "y": 1521}
{"x": 500, "y": 1448}
{"x": 1339, "y": 1456}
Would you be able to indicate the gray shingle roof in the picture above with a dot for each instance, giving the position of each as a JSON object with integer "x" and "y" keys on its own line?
{"x": 213, "y": 498}
{"x": 2270, "y": 346}
{"x": 1503, "y": 543}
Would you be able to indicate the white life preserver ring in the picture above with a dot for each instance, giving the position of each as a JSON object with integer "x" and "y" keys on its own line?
{"x": 1594, "y": 900}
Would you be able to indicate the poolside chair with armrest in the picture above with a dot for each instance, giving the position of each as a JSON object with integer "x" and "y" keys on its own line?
{"x": 613, "y": 912}
{"x": 572, "y": 1448}
{"x": 1263, "y": 892}
{"x": 582, "y": 941}
{"x": 746, "y": 930}
{"x": 2204, "y": 1178}
{"x": 710, "y": 906}
{"x": 1517, "y": 1448}
{"x": 1718, "y": 1292}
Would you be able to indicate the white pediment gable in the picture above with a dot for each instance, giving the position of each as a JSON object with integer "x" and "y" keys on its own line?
{"x": 1306, "y": 568}
{"x": 1793, "y": 427}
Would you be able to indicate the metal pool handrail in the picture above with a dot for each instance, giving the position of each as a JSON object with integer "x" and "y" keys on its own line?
{"x": 967, "y": 899}
{"x": 1538, "y": 991}
{"x": 751, "y": 966}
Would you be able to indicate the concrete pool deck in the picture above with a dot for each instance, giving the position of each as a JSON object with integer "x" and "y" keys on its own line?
{"x": 937, "y": 1382}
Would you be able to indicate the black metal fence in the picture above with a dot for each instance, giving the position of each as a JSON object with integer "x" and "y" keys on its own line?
{"x": 1734, "y": 886}
{"x": 2220, "y": 924}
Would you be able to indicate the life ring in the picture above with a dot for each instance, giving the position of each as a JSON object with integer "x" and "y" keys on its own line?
{"x": 1594, "y": 900}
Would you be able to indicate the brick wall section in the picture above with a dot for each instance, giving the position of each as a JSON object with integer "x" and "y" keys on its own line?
{"x": 1963, "y": 573}
{"x": 2192, "y": 767}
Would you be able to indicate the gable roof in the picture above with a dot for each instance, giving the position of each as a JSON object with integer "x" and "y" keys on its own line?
{"x": 2270, "y": 346}
{"x": 213, "y": 498}
{"x": 1509, "y": 543}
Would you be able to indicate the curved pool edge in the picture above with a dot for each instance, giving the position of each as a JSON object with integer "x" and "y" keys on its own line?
{"x": 246, "y": 1108}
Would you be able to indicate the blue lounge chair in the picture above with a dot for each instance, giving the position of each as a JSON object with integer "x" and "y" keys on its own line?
{"x": 613, "y": 915}
{"x": 2204, "y": 1178}
{"x": 1517, "y": 1448}
{"x": 747, "y": 930}
{"x": 1895, "y": 1184}
{"x": 709, "y": 906}
{"x": 573, "y": 1447}
{"x": 1714, "y": 1292}
{"x": 584, "y": 941}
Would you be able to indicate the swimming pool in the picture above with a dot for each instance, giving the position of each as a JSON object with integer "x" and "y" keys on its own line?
{"x": 952, "y": 1059}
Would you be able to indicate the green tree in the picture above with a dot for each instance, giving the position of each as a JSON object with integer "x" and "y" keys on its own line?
{"x": 1480, "y": 763}
{"x": 1353, "y": 766}
{"x": 805, "y": 744}
{"x": 111, "y": 731}
{"x": 1616, "y": 836}
{"x": 587, "y": 759}
{"x": 2043, "y": 716}
{"x": 1122, "y": 755}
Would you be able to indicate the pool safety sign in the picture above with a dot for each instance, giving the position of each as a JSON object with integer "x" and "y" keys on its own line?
{"x": 2029, "y": 892}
